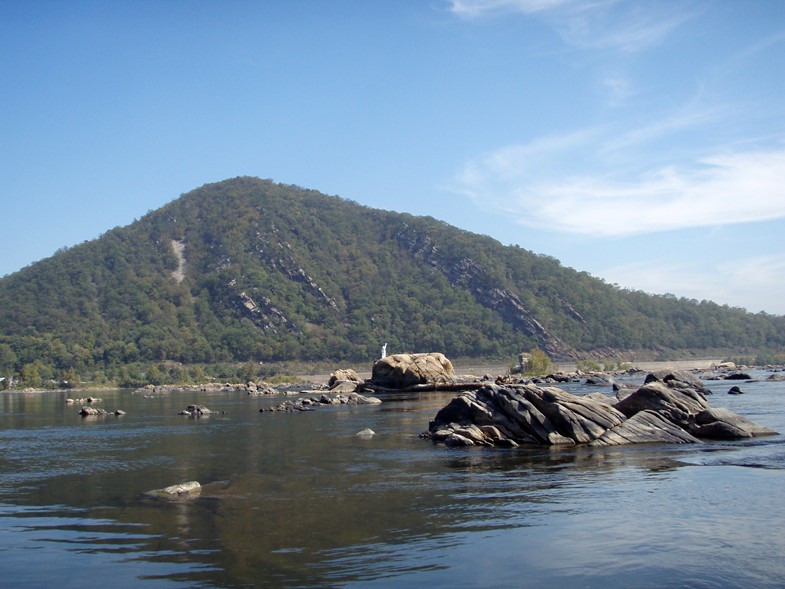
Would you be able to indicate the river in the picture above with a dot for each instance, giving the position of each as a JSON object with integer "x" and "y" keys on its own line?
{"x": 299, "y": 500}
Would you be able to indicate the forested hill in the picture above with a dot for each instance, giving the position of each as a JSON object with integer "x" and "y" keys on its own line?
{"x": 246, "y": 269}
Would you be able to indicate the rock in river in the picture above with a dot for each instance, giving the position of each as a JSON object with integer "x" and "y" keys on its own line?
{"x": 404, "y": 370}
{"x": 195, "y": 411}
{"x": 179, "y": 491}
{"x": 670, "y": 407}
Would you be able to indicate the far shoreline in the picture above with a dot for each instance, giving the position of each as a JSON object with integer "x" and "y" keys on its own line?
{"x": 462, "y": 369}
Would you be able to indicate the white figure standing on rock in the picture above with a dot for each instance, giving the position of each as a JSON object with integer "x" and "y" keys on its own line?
{"x": 384, "y": 350}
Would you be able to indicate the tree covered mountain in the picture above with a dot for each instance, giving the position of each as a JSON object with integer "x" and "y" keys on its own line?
{"x": 250, "y": 270}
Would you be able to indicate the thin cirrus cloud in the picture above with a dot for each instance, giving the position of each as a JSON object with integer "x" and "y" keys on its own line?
{"x": 471, "y": 9}
{"x": 598, "y": 24}
{"x": 718, "y": 189}
{"x": 734, "y": 282}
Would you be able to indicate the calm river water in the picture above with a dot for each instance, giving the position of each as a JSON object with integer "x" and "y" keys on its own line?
{"x": 298, "y": 500}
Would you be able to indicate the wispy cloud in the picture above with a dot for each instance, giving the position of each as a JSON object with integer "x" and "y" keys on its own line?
{"x": 754, "y": 283}
{"x": 598, "y": 24}
{"x": 472, "y": 9}
{"x": 528, "y": 183}
{"x": 618, "y": 88}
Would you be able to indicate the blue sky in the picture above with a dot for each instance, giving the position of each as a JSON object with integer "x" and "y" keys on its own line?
{"x": 642, "y": 142}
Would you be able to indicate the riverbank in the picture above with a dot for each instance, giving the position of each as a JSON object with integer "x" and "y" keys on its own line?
{"x": 464, "y": 369}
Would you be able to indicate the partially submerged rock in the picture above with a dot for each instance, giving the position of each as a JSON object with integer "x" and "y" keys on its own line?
{"x": 179, "y": 491}
{"x": 670, "y": 407}
{"x": 92, "y": 411}
{"x": 88, "y": 411}
{"x": 719, "y": 423}
{"x": 195, "y": 411}
{"x": 311, "y": 403}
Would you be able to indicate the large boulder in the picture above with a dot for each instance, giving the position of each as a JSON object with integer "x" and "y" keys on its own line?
{"x": 344, "y": 380}
{"x": 677, "y": 396}
{"x": 400, "y": 371}
{"x": 343, "y": 375}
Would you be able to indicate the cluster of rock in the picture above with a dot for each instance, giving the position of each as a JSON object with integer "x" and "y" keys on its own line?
{"x": 670, "y": 407}
{"x": 89, "y": 411}
{"x": 312, "y": 403}
{"x": 260, "y": 389}
{"x": 195, "y": 411}
{"x": 88, "y": 400}
{"x": 252, "y": 388}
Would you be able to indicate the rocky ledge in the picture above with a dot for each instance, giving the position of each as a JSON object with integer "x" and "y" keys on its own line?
{"x": 670, "y": 407}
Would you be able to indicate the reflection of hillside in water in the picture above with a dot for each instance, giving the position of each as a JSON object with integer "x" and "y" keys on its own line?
{"x": 306, "y": 525}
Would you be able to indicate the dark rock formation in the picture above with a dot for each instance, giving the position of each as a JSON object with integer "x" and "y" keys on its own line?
{"x": 644, "y": 427}
{"x": 92, "y": 411}
{"x": 722, "y": 424}
{"x": 195, "y": 411}
{"x": 676, "y": 403}
{"x": 738, "y": 376}
{"x": 89, "y": 411}
{"x": 597, "y": 380}
{"x": 523, "y": 414}
{"x": 670, "y": 407}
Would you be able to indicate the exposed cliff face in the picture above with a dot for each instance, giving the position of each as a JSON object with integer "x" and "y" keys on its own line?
{"x": 466, "y": 273}
{"x": 263, "y": 314}
{"x": 277, "y": 253}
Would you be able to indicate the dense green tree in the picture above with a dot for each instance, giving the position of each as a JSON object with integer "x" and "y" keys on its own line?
{"x": 274, "y": 272}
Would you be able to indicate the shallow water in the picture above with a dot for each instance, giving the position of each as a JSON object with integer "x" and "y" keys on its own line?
{"x": 298, "y": 500}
